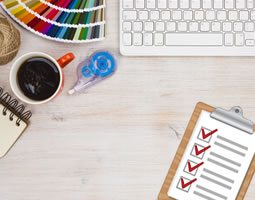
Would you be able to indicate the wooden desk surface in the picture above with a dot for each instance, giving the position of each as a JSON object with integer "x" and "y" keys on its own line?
{"x": 117, "y": 140}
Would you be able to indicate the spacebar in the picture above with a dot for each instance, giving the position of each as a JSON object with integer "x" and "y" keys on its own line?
{"x": 193, "y": 39}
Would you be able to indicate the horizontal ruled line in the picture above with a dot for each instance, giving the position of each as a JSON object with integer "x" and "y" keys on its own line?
{"x": 215, "y": 182}
{"x": 203, "y": 196}
{"x": 218, "y": 175}
{"x": 222, "y": 165}
{"x": 211, "y": 192}
{"x": 232, "y": 142}
{"x": 225, "y": 159}
{"x": 229, "y": 148}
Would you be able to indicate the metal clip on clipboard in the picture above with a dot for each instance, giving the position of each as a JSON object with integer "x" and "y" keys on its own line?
{"x": 233, "y": 117}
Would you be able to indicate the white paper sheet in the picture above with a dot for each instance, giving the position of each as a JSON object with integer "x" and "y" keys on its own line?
{"x": 9, "y": 131}
{"x": 218, "y": 172}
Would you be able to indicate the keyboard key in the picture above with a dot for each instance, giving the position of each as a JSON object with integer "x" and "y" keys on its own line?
{"x": 162, "y": 3}
{"x": 193, "y": 26}
{"x": 182, "y": 26}
{"x": 238, "y": 26}
{"x": 177, "y": 15}
{"x": 137, "y": 26}
{"x": 244, "y": 15}
{"x": 199, "y": 15}
{"x": 252, "y": 15}
{"x": 148, "y": 26}
{"x": 188, "y": 22}
{"x": 193, "y": 39}
{"x": 127, "y": 39}
{"x": 218, "y": 4}
{"x": 250, "y": 35}
{"x": 216, "y": 26}
{"x": 158, "y": 39}
{"x": 195, "y": 4}
{"x": 137, "y": 39}
{"x": 239, "y": 39}
{"x": 232, "y": 15}
{"x": 127, "y": 26}
{"x": 229, "y": 4}
{"x": 147, "y": 39}
{"x": 139, "y": 4}
{"x": 129, "y": 15}
{"x": 210, "y": 15}
{"x": 171, "y": 26}
{"x": 143, "y": 15}
{"x": 165, "y": 15}
{"x": 250, "y": 4}
{"x": 227, "y": 26}
{"x": 249, "y": 26}
{"x": 173, "y": 3}
{"x": 187, "y": 15}
{"x": 151, "y": 3}
{"x": 154, "y": 15}
{"x": 221, "y": 15}
{"x": 204, "y": 26}
{"x": 207, "y": 4}
{"x": 249, "y": 42}
{"x": 240, "y": 4}
{"x": 127, "y": 4}
{"x": 184, "y": 3}
{"x": 229, "y": 39}
{"x": 160, "y": 26}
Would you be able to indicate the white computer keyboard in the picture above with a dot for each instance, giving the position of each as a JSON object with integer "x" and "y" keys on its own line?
{"x": 187, "y": 27}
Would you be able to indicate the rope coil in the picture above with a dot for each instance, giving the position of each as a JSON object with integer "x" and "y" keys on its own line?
{"x": 9, "y": 40}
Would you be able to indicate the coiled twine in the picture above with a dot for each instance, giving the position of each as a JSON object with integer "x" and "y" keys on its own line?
{"x": 9, "y": 40}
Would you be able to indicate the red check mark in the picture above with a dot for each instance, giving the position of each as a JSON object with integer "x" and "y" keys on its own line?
{"x": 198, "y": 152}
{"x": 204, "y": 135}
{"x": 194, "y": 167}
{"x": 184, "y": 185}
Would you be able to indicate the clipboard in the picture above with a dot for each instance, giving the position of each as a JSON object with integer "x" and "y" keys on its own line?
{"x": 233, "y": 118}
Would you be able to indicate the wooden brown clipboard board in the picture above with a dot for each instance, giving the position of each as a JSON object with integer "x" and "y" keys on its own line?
{"x": 178, "y": 156}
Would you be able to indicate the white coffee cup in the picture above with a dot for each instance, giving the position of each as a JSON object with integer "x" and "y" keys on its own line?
{"x": 60, "y": 64}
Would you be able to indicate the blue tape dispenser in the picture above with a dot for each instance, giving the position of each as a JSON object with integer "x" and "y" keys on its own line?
{"x": 99, "y": 66}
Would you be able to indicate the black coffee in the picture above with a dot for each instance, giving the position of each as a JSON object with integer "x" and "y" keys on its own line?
{"x": 38, "y": 78}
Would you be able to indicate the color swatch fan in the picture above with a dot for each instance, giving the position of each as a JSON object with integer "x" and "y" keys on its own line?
{"x": 73, "y": 21}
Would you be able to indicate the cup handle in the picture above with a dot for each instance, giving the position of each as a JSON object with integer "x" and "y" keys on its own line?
{"x": 65, "y": 60}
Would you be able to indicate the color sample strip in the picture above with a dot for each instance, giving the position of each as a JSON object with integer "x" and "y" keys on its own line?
{"x": 86, "y": 17}
{"x": 75, "y": 4}
{"x": 59, "y": 32}
{"x": 10, "y": 3}
{"x": 33, "y": 4}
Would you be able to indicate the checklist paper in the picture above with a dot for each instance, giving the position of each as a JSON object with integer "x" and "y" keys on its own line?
{"x": 214, "y": 163}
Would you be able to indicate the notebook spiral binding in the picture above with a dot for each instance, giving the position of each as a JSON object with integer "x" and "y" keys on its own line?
{"x": 14, "y": 107}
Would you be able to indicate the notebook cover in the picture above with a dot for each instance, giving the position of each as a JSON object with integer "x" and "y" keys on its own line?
{"x": 9, "y": 130}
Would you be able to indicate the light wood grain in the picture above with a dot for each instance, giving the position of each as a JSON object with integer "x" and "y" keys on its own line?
{"x": 117, "y": 140}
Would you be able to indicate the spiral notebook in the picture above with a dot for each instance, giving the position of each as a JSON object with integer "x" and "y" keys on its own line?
{"x": 13, "y": 121}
